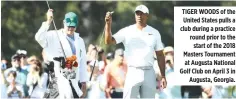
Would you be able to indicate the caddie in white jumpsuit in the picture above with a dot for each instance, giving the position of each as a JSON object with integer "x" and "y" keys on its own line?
{"x": 140, "y": 41}
{"x": 72, "y": 44}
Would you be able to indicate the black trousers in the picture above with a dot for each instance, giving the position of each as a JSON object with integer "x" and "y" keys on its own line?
{"x": 115, "y": 94}
{"x": 194, "y": 91}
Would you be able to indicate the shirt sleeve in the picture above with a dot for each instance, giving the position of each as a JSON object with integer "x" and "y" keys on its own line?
{"x": 41, "y": 35}
{"x": 159, "y": 45}
{"x": 44, "y": 80}
{"x": 83, "y": 75}
{"x": 120, "y": 35}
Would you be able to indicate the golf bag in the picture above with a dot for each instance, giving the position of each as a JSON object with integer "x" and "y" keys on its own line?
{"x": 52, "y": 89}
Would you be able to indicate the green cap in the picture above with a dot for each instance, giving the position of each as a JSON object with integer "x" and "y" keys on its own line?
{"x": 71, "y": 19}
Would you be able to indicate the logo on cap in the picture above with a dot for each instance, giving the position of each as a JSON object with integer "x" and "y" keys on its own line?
{"x": 71, "y": 19}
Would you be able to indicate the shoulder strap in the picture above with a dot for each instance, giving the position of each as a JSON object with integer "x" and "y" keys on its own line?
{"x": 34, "y": 85}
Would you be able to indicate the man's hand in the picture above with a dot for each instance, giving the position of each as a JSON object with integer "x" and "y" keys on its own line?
{"x": 163, "y": 83}
{"x": 108, "y": 93}
{"x": 84, "y": 89}
{"x": 108, "y": 18}
{"x": 49, "y": 16}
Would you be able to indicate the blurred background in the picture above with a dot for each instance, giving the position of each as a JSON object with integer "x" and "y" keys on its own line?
{"x": 20, "y": 20}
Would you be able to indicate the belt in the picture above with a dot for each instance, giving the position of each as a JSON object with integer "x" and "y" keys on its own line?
{"x": 117, "y": 89}
{"x": 142, "y": 67}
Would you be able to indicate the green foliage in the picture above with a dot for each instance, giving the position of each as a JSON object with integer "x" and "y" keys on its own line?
{"x": 22, "y": 19}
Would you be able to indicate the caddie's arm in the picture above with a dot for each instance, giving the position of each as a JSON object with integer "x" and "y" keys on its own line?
{"x": 42, "y": 34}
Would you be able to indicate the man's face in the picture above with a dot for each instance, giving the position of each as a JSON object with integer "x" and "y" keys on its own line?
{"x": 119, "y": 58}
{"x": 140, "y": 17}
{"x": 15, "y": 63}
{"x": 70, "y": 29}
